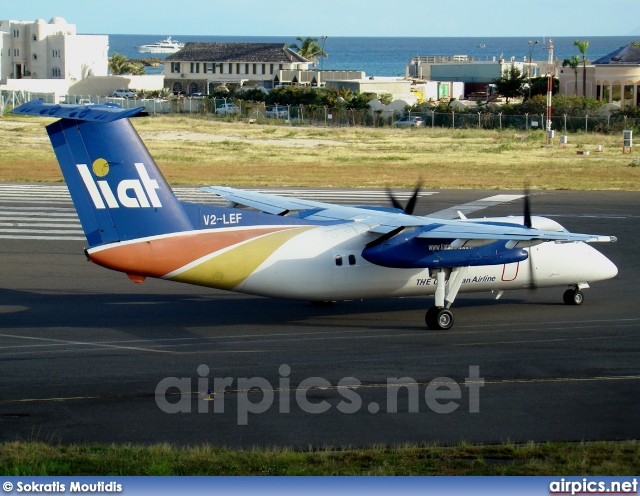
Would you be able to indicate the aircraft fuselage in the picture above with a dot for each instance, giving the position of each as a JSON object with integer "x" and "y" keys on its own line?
{"x": 326, "y": 263}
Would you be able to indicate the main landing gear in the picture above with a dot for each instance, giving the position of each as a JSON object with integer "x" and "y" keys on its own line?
{"x": 439, "y": 317}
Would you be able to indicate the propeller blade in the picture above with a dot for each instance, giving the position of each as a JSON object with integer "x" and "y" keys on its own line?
{"x": 393, "y": 201}
{"x": 411, "y": 204}
{"x": 527, "y": 209}
{"x": 532, "y": 279}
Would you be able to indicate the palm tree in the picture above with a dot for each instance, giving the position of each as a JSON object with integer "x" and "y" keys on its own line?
{"x": 573, "y": 62}
{"x": 120, "y": 64}
{"x": 582, "y": 46}
{"x": 309, "y": 49}
{"x": 138, "y": 70}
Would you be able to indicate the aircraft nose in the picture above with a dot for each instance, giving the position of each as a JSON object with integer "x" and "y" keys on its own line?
{"x": 602, "y": 267}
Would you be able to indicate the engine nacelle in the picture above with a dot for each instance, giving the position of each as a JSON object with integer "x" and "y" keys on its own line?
{"x": 406, "y": 251}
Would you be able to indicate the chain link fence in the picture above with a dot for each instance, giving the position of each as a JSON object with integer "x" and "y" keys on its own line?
{"x": 235, "y": 109}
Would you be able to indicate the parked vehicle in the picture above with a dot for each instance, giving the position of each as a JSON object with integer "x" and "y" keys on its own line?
{"x": 410, "y": 121}
{"x": 227, "y": 108}
{"x": 124, "y": 93}
{"x": 278, "y": 112}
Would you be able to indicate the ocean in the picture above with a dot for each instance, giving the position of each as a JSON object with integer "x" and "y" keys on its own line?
{"x": 389, "y": 56}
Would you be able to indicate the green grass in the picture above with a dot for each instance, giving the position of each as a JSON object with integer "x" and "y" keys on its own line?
{"x": 197, "y": 150}
{"x": 597, "y": 458}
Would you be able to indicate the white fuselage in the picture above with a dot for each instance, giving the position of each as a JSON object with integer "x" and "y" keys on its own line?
{"x": 305, "y": 267}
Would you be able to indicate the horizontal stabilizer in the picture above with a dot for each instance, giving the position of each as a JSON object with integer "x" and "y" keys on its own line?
{"x": 107, "y": 112}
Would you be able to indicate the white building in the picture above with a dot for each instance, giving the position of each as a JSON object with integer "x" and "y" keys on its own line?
{"x": 474, "y": 74}
{"x": 35, "y": 51}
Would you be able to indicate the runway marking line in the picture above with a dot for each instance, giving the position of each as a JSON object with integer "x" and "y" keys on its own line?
{"x": 495, "y": 382}
{"x": 83, "y": 343}
{"x": 313, "y": 336}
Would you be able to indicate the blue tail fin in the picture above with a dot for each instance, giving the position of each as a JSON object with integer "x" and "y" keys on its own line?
{"x": 116, "y": 187}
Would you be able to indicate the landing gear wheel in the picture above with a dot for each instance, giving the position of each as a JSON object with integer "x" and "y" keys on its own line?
{"x": 573, "y": 297}
{"x": 439, "y": 318}
{"x": 430, "y": 317}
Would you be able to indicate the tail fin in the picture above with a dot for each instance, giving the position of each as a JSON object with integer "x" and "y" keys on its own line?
{"x": 116, "y": 187}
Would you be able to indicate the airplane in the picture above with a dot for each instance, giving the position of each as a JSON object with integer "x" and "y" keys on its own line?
{"x": 276, "y": 246}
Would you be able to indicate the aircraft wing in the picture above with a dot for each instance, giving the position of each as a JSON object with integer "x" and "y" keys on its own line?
{"x": 385, "y": 221}
{"x": 272, "y": 204}
{"x": 460, "y": 211}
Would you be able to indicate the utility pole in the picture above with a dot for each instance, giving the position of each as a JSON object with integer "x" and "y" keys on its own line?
{"x": 550, "y": 71}
{"x": 532, "y": 45}
{"x": 323, "y": 38}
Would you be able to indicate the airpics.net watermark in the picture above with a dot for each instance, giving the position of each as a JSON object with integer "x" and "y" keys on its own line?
{"x": 256, "y": 395}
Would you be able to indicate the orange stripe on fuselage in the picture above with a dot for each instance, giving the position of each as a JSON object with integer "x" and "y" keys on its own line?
{"x": 156, "y": 257}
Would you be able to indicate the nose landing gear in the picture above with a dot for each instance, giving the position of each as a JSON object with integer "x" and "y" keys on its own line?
{"x": 573, "y": 296}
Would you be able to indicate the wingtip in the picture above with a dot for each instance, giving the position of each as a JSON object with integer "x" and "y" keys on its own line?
{"x": 602, "y": 239}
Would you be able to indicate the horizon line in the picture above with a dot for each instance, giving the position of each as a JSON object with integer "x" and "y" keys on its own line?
{"x": 343, "y": 36}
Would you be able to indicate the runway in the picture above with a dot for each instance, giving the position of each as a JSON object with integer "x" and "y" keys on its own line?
{"x": 88, "y": 356}
{"x": 34, "y": 211}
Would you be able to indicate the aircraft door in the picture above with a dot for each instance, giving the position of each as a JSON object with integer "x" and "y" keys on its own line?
{"x": 510, "y": 271}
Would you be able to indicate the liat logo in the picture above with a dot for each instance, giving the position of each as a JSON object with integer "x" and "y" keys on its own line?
{"x": 131, "y": 193}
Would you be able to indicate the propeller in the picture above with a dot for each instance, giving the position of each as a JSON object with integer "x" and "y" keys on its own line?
{"x": 527, "y": 208}
{"x": 532, "y": 286}
{"x": 411, "y": 204}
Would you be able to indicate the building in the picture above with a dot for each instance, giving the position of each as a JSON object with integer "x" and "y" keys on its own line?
{"x": 614, "y": 78}
{"x": 52, "y": 59}
{"x": 372, "y": 84}
{"x": 202, "y": 67}
{"x": 314, "y": 77}
{"x": 53, "y": 50}
{"x": 475, "y": 74}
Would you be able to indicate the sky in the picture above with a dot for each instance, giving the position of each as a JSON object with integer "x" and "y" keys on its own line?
{"x": 378, "y": 18}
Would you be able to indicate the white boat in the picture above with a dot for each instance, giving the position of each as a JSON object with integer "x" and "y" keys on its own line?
{"x": 162, "y": 46}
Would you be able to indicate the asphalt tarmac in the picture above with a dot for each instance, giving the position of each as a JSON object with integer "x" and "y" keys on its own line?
{"x": 88, "y": 356}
